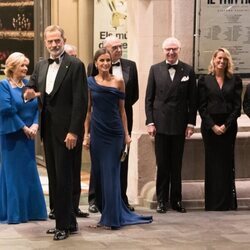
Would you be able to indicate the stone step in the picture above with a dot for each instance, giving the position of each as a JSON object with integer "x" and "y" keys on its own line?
{"x": 193, "y": 194}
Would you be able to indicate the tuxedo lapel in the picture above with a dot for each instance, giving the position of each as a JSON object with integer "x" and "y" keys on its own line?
{"x": 125, "y": 71}
{"x": 42, "y": 81}
{"x": 61, "y": 74}
{"x": 222, "y": 90}
{"x": 178, "y": 74}
{"x": 168, "y": 83}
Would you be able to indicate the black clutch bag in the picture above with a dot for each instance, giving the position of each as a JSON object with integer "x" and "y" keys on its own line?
{"x": 124, "y": 153}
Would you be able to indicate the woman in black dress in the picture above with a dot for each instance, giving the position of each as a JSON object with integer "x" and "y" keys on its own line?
{"x": 219, "y": 107}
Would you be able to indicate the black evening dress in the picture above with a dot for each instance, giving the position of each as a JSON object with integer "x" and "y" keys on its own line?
{"x": 219, "y": 106}
{"x": 106, "y": 143}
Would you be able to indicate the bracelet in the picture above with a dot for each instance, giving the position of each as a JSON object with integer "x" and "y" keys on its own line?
{"x": 87, "y": 137}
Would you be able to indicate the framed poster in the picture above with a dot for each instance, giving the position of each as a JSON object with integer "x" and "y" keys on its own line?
{"x": 16, "y": 30}
{"x": 110, "y": 18}
{"x": 222, "y": 23}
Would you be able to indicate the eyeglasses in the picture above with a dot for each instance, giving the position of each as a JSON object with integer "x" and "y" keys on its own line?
{"x": 169, "y": 49}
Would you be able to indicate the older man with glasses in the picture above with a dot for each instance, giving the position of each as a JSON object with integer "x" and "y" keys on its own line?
{"x": 170, "y": 106}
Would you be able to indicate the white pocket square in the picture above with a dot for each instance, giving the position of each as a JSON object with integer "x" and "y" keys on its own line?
{"x": 184, "y": 78}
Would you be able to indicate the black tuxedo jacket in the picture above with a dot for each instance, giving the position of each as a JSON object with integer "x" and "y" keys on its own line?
{"x": 69, "y": 98}
{"x": 213, "y": 100}
{"x": 171, "y": 105}
{"x": 130, "y": 77}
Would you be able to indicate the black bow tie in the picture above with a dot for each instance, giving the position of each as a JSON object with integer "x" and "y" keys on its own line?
{"x": 174, "y": 66}
{"x": 116, "y": 64}
{"x": 56, "y": 60}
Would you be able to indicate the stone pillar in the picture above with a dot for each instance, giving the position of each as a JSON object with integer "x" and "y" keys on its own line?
{"x": 149, "y": 24}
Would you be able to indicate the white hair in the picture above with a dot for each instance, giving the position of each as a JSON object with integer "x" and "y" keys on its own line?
{"x": 171, "y": 40}
{"x": 109, "y": 40}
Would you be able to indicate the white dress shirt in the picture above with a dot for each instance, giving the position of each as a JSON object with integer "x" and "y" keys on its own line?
{"x": 172, "y": 70}
{"x": 117, "y": 70}
{"x": 51, "y": 75}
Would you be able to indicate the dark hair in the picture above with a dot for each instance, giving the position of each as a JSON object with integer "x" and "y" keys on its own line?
{"x": 98, "y": 53}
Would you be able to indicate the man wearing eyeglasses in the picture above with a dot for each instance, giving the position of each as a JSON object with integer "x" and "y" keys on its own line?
{"x": 170, "y": 106}
{"x": 126, "y": 69}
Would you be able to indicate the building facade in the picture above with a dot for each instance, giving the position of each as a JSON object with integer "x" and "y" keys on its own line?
{"x": 149, "y": 23}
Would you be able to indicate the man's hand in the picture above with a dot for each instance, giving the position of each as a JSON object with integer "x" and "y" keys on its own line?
{"x": 151, "y": 130}
{"x": 189, "y": 132}
{"x": 70, "y": 141}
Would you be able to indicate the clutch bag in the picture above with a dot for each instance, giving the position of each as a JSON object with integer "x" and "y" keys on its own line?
{"x": 124, "y": 153}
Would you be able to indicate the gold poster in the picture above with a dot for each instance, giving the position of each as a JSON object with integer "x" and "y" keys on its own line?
{"x": 110, "y": 18}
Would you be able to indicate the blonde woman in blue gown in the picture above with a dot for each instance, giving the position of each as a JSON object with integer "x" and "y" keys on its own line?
{"x": 107, "y": 125}
{"x": 21, "y": 195}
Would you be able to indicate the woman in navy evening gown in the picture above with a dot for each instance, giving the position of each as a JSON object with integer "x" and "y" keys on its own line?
{"x": 21, "y": 195}
{"x": 106, "y": 122}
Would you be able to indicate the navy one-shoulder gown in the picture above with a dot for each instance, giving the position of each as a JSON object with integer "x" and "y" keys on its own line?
{"x": 106, "y": 142}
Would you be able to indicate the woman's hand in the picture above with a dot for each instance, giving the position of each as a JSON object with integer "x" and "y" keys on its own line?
{"x": 33, "y": 130}
{"x": 219, "y": 130}
{"x": 127, "y": 139}
{"x": 86, "y": 142}
{"x": 30, "y": 94}
{"x": 27, "y": 131}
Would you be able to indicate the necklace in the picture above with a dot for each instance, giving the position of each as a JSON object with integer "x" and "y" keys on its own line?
{"x": 18, "y": 84}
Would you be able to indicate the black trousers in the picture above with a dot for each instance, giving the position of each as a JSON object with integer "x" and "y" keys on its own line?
{"x": 169, "y": 152}
{"x": 220, "y": 190}
{"x": 76, "y": 173}
{"x": 59, "y": 163}
{"x": 123, "y": 180}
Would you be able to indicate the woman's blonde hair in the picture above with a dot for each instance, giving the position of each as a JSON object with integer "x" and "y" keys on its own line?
{"x": 229, "y": 70}
{"x": 13, "y": 61}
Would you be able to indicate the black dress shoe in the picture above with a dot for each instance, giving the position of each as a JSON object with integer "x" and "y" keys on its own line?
{"x": 93, "y": 209}
{"x": 51, "y": 231}
{"x": 161, "y": 208}
{"x": 179, "y": 207}
{"x": 81, "y": 214}
{"x": 61, "y": 234}
{"x": 73, "y": 229}
{"x": 52, "y": 214}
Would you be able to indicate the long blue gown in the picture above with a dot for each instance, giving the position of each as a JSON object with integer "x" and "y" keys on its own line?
{"x": 106, "y": 142}
{"x": 21, "y": 195}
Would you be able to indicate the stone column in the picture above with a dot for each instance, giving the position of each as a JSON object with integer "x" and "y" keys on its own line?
{"x": 149, "y": 24}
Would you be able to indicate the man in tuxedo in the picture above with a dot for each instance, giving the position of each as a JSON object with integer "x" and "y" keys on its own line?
{"x": 72, "y": 51}
{"x": 60, "y": 83}
{"x": 127, "y": 70}
{"x": 170, "y": 106}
